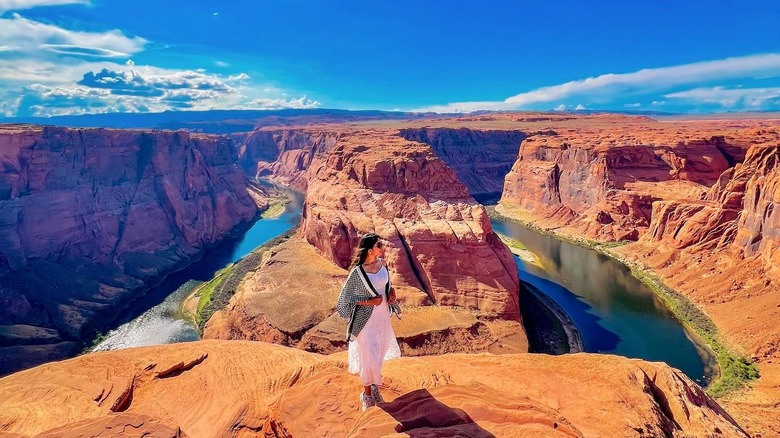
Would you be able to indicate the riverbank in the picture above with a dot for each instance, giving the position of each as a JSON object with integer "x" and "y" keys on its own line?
{"x": 729, "y": 370}
{"x": 548, "y": 326}
{"x": 214, "y": 295}
{"x": 550, "y": 329}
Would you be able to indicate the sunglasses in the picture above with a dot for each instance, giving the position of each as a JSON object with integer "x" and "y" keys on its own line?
{"x": 378, "y": 245}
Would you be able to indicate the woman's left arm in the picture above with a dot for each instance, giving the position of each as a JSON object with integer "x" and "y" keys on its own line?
{"x": 391, "y": 298}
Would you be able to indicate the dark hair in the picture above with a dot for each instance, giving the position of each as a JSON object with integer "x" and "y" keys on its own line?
{"x": 367, "y": 242}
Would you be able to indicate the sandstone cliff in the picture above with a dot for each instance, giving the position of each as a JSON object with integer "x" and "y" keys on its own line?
{"x": 700, "y": 200}
{"x": 217, "y": 388}
{"x": 604, "y": 182}
{"x": 441, "y": 249}
{"x": 481, "y": 159}
{"x": 440, "y": 239}
{"x": 282, "y": 155}
{"x": 88, "y": 216}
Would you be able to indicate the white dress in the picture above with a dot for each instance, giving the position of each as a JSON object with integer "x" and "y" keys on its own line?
{"x": 376, "y": 343}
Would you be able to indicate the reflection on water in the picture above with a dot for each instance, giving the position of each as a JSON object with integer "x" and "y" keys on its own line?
{"x": 154, "y": 319}
{"x": 161, "y": 324}
{"x": 614, "y": 311}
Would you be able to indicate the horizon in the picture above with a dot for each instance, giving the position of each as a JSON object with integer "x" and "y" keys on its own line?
{"x": 73, "y": 57}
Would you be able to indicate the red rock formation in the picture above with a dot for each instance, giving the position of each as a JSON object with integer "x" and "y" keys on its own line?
{"x": 288, "y": 296}
{"x": 481, "y": 159}
{"x": 218, "y": 388}
{"x": 758, "y": 229}
{"x": 601, "y": 181}
{"x": 441, "y": 248}
{"x": 88, "y": 215}
{"x": 440, "y": 239}
{"x": 283, "y": 155}
{"x": 708, "y": 226}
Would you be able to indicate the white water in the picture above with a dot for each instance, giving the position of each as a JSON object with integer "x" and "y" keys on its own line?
{"x": 162, "y": 324}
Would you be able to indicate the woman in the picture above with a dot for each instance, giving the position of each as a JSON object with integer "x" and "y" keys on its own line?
{"x": 367, "y": 299}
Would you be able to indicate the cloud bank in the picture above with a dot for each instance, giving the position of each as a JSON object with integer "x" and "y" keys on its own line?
{"x": 609, "y": 87}
{"x": 48, "y": 70}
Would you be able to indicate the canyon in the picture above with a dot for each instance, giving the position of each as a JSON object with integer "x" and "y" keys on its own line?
{"x": 694, "y": 202}
{"x": 89, "y": 217}
{"x": 375, "y": 181}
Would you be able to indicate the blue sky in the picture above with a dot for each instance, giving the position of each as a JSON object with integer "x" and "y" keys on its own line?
{"x": 87, "y": 56}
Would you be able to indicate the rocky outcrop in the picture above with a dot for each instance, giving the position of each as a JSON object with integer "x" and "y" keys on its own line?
{"x": 439, "y": 239}
{"x": 758, "y": 229}
{"x": 481, "y": 159}
{"x": 88, "y": 216}
{"x": 282, "y": 155}
{"x": 441, "y": 249}
{"x": 218, "y": 388}
{"x": 739, "y": 213}
{"x": 604, "y": 182}
{"x": 704, "y": 219}
{"x": 288, "y": 298}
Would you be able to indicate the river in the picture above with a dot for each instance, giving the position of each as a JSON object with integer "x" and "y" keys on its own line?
{"x": 614, "y": 312}
{"x": 156, "y": 318}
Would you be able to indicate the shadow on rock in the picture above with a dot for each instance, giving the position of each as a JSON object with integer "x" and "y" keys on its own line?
{"x": 420, "y": 414}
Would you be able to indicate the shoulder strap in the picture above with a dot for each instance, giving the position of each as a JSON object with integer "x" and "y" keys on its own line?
{"x": 366, "y": 281}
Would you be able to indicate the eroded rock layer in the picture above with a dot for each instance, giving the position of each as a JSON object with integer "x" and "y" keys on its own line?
{"x": 219, "y": 388}
{"x": 441, "y": 248}
{"x": 288, "y": 298}
{"x": 440, "y": 239}
{"x": 88, "y": 215}
{"x": 481, "y": 159}
{"x": 283, "y": 155}
{"x": 700, "y": 200}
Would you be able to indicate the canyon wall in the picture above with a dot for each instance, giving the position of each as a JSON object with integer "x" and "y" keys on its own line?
{"x": 88, "y": 216}
{"x": 480, "y": 158}
{"x": 604, "y": 182}
{"x": 699, "y": 200}
{"x": 440, "y": 239}
{"x": 282, "y": 155}
{"x": 440, "y": 249}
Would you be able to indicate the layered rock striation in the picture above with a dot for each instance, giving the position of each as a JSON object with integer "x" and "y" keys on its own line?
{"x": 481, "y": 159}
{"x": 604, "y": 182}
{"x": 700, "y": 200}
{"x": 440, "y": 239}
{"x": 88, "y": 216}
{"x": 441, "y": 249}
{"x": 218, "y": 388}
{"x": 283, "y": 155}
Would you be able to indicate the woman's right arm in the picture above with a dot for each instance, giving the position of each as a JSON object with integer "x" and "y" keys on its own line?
{"x": 372, "y": 302}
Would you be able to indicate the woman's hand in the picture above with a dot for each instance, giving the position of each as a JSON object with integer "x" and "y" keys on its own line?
{"x": 391, "y": 298}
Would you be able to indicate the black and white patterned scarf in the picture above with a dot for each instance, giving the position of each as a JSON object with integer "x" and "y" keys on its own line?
{"x": 358, "y": 288}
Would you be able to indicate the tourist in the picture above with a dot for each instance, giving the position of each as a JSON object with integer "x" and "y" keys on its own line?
{"x": 367, "y": 300}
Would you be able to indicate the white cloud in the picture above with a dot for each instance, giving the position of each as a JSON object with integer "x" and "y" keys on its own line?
{"x": 580, "y": 107}
{"x": 18, "y": 5}
{"x": 241, "y": 77}
{"x": 49, "y": 70}
{"x": 155, "y": 83}
{"x": 632, "y": 105}
{"x": 32, "y": 38}
{"x": 747, "y": 97}
{"x": 613, "y": 85}
{"x": 560, "y": 107}
{"x": 300, "y": 103}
